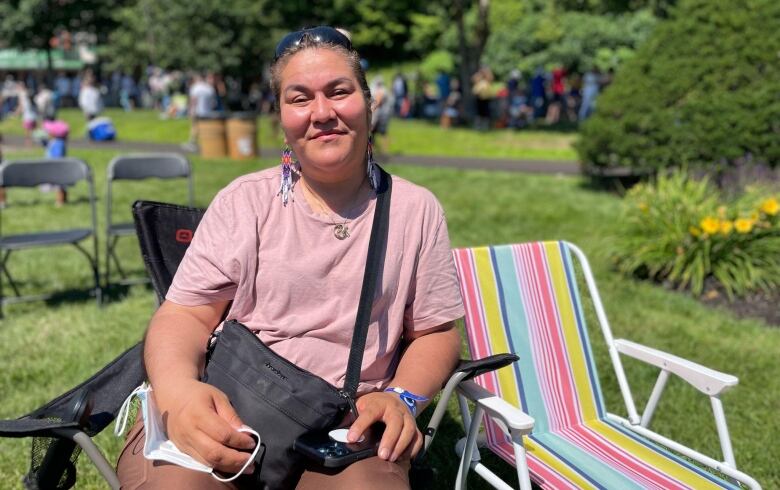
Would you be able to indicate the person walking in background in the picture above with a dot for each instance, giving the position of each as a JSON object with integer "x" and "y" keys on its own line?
{"x": 75, "y": 87}
{"x": 538, "y": 93}
{"x": 90, "y": 100}
{"x": 451, "y": 111}
{"x": 521, "y": 112}
{"x": 26, "y": 110}
{"x": 381, "y": 111}
{"x": 590, "y": 90}
{"x": 127, "y": 93}
{"x": 443, "y": 87}
{"x": 573, "y": 96}
{"x": 202, "y": 101}
{"x": 45, "y": 103}
{"x": 8, "y": 96}
{"x": 558, "y": 89}
{"x": 400, "y": 95}
{"x": 481, "y": 83}
{"x": 62, "y": 91}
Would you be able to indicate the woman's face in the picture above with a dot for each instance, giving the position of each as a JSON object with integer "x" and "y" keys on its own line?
{"x": 324, "y": 114}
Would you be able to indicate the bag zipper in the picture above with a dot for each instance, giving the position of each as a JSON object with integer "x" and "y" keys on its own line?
{"x": 211, "y": 344}
{"x": 352, "y": 406}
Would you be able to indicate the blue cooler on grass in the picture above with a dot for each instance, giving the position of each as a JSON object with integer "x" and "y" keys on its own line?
{"x": 101, "y": 129}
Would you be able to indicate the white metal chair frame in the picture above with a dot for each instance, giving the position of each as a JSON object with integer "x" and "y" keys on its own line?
{"x": 516, "y": 423}
{"x": 138, "y": 167}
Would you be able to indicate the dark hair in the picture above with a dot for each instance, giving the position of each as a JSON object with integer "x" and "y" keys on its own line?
{"x": 350, "y": 55}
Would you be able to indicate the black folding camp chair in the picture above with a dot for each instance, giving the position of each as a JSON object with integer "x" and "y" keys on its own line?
{"x": 63, "y": 427}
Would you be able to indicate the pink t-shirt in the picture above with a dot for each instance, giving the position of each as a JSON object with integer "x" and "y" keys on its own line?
{"x": 298, "y": 287}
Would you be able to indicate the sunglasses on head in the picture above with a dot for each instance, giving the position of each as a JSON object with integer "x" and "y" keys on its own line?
{"x": 320, "y": 34}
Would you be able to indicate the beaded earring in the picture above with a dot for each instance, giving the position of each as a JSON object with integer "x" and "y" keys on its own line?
{"x": 289, "y": 166}
{"x": 371, "y": 168}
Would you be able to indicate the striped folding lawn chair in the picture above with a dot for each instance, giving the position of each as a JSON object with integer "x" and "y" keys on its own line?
{"x": 546, "y": 413}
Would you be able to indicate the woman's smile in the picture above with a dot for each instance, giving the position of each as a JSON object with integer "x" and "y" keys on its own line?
{"x": 327, "y": 135}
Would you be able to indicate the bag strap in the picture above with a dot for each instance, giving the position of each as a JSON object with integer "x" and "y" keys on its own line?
{"x": 376, "y": 252}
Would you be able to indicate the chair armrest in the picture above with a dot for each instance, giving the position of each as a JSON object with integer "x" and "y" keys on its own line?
{"x": 476, "y": 367}
{"x": 497, "y": 407}
{"x": 704, "y": 379}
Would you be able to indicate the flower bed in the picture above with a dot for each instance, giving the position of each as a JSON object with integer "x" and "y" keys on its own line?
{"x": 681, "y": 231}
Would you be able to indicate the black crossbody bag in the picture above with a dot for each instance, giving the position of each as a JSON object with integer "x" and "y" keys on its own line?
{"x": 280, "y": 400}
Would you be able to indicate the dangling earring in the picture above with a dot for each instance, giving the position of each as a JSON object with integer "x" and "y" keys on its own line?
{"x": 371, "y": 167}
{"x": 286, "y": 186}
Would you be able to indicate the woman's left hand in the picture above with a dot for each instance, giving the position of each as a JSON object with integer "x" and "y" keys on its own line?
{"x": 401, "y": 438}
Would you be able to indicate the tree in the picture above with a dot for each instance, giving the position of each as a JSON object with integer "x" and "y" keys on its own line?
{"x": 703, "y": 90}
{"x": 31, "y": 24}
{"x": 227, "y": 36}
{"x": 380, "y": 29}
{"x": 577, "y": 40}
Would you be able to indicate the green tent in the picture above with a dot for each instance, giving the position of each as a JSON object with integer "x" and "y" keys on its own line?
{"x": 35, "y": 59}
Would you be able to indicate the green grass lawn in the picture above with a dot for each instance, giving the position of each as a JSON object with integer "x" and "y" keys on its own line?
{"x": 407, "y": 137}
{"x": 48, "y": 347}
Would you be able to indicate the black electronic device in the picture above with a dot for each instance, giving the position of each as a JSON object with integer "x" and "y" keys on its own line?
{"x": 329, "y": 452}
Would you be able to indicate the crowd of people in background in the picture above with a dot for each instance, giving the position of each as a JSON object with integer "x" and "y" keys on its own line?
{"x": 540, "y": 98}
{"x": 543, "y": 97}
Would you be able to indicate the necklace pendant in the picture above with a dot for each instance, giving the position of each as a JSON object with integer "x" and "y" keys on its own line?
{"x": 341, "y": 231}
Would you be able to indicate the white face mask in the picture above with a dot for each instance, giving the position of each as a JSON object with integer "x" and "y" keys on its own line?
{"x": 157, "y": 445}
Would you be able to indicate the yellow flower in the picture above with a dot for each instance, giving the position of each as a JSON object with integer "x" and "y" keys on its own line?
{"x": 694, "y": 231}
{"x": 744, "y": 225}
{"x": 725, "y": 227}
{"x": 710, "y": 225}
{"x": 770, "y": 206}
{"x": 643, "y": 207}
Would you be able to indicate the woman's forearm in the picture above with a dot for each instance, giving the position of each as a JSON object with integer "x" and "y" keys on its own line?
{"x": 175, "y": 344}
{"x": 428, "y": 362}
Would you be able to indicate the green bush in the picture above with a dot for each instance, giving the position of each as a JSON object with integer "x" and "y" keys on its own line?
{"x": 678, "y": 230}
{"x": 703, "y": 90}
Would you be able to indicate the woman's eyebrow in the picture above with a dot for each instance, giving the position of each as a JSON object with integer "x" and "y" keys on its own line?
{"x": 305, "y": 88}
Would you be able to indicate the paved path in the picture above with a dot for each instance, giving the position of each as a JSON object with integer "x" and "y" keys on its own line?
{"x": 568, "y": 167}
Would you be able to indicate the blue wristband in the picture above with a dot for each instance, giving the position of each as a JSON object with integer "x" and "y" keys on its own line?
{"x": 409, "y": 399}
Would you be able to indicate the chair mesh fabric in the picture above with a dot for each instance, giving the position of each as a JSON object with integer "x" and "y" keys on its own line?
{"x": 164, "y": 233}
{"x": 524, "y": 299}
{"x": 40, "y": 446}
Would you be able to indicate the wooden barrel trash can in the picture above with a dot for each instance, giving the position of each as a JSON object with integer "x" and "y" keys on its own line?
{"x": 242, "y": 135}
{"x": 211, "y": 137}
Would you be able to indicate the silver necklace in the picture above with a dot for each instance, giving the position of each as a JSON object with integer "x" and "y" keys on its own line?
{"x": 340, "y": 230}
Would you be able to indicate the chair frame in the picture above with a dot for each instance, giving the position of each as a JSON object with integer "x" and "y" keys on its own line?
{"x": 58, "y": 171}
{"x": 138, "y": 166}
{"x": 516, "y": 423}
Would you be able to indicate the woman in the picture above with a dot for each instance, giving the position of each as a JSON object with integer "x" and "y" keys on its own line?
{"x": 285, "y": 256}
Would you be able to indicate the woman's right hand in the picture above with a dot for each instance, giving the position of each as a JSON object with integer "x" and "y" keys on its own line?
{"x": 200, "y": 420}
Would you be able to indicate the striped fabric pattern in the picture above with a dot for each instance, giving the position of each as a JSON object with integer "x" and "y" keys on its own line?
{"x": 524, "y": 299}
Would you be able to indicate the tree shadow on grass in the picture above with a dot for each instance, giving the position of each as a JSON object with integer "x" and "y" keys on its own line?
{"x": 118, "y": 291}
